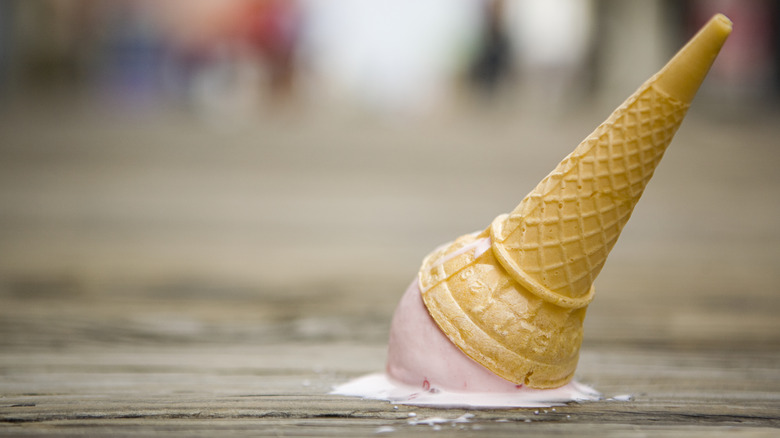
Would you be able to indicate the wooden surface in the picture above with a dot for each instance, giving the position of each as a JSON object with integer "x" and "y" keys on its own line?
{"x": 166, "y": 278}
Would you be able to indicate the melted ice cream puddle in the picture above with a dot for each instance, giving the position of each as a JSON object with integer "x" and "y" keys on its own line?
{"x": 424, "y": 368}
{"x": 380, "y": 387}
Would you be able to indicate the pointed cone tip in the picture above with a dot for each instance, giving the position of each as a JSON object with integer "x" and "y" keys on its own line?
{"x": 683, "y": 75}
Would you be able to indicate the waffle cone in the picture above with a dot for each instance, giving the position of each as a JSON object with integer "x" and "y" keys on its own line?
{"x": 514, "y": 296}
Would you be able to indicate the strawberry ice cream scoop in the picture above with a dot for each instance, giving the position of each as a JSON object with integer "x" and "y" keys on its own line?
{"x": 420, "y": 355}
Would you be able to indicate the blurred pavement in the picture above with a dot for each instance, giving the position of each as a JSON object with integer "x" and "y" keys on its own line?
{"x": 323, "y": 200}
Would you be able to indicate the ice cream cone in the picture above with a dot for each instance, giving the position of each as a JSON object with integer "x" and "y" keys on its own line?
{"x": 514, "y": 296}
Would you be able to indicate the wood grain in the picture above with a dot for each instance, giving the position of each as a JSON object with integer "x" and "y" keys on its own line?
{"x": 177, "y": 289}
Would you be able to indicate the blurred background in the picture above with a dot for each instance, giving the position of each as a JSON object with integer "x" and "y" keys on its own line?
{"x": 311, "y": 152}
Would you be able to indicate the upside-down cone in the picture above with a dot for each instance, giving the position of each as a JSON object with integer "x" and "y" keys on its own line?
{"x": 517, "y": 306}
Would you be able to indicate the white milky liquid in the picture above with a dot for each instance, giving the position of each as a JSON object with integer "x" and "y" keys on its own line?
{"x": 379, "y": 387}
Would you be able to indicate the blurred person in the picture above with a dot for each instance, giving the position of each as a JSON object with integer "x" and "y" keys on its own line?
{"x": 492, "y": 62}
{"x": 747, "y": 69}
{"x": 6, "y": 45}
{"x": 271, "y": 29}
{"x": 228, "y": 58}
{"x": 131, "y": 53}
{"x": 42, "y": 46}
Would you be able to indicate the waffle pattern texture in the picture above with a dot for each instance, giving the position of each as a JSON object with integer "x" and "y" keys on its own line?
{"x": 514, "y": 296}
{"x": 559, "y": 236}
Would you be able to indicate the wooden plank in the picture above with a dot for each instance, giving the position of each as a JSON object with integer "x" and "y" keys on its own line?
{"x": 173, "y": 288}
{"x": 61, "y": 376}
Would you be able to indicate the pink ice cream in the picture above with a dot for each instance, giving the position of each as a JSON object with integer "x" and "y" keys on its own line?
{"x": 420, "y": 355}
